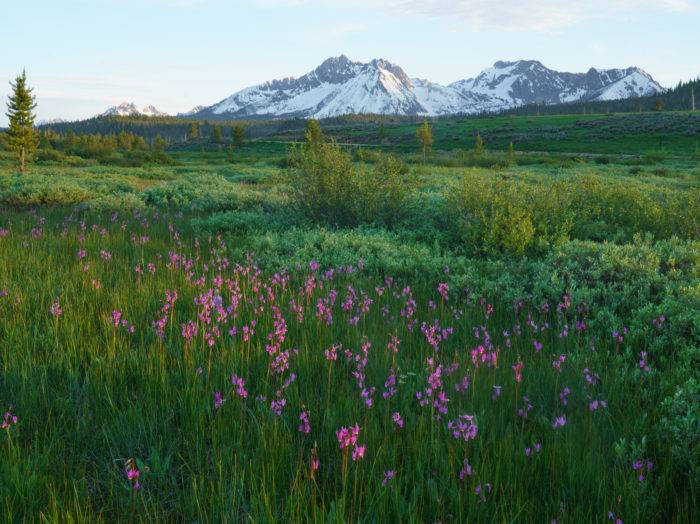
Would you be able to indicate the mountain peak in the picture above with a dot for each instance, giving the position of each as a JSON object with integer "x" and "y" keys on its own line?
{"x": 130, "y": 109}
{"x": 335, "y": 61}
{"x": 340, "y": 86}
{"x": 501, "y": 64}
{"x": 334, "y": 70}
{"x": 193, "y": 111}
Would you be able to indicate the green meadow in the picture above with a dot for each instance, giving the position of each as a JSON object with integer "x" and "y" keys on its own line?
{"x": 339, "y": 328}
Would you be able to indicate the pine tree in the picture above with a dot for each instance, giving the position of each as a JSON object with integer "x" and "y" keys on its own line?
{"x": 229, "y": 154}
{"x": 692, "y": 99}
{"x": 194, "y": 131}
{"x": 238, "y": 135}
{"x": 479, "y": 144}
{"x": 381, "y": 132}
{"x": 22, "y": 138}
{"x": 511, "y": 155}
{"x": 158, "y": 144}
{"x": 138, "y": 142}
{"x": 44, "y": 142}
{"x": 424, "y": 134}
{"x": 215, "y": 134}
{"x": 69, "y": 141}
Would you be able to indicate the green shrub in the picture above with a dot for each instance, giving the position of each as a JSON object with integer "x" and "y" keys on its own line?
{"x": 496, "y": 214}
{"x": 35, "y": 191}
{"x": 362, "y": 154}
{"x": 326, "y": 187}
{"x": 111, "y": 203}
{"x": 243, "y": 223}
{"x": 203, "y": 192}
{"x": 680, "y": 428}
{"x": 56, "y": 188}
{"x": 654, "y": 157}
{"x": 49, "y": 155}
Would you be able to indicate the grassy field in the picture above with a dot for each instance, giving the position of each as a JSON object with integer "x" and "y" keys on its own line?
{"x": 613, "y": 134}
{"x": 328, "y": 335}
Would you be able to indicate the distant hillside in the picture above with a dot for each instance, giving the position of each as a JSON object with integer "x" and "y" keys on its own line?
{"x": 172, "y": 129}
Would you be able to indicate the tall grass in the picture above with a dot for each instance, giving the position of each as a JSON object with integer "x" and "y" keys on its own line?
{"x": 94, "y": 401}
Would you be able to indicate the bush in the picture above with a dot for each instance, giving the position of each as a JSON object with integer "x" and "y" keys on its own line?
{"x": 110, "y": 203}
{"x": 326, "y": 187}
{"x": 365, "y": 155}
{"x": 243, "y": 223}
{"x": 680, "y": 427}
{"x": 654, "y": 157}
{"x": 496, "y": 214}
{"x": 34, "y": 191}
{"x": 57, "y": 188}
{"x": 203, "y": 192}
{"x": 49, "y": 155}
{"x": 461, "y": 158}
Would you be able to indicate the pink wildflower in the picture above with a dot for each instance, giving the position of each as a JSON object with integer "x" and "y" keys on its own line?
{"x": 388, "y": 476}
{"x": 56, "y": 310}
{"x": 8, "y": 420}
{"x": 304, "y": 426}
{"x": 517, "y": 370}
{"x": 358, "y": 453}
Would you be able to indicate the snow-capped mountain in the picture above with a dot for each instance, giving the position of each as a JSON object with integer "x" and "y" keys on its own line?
{"x": 340, "y": 86}
{"x": 51, "y": 121}
{"x": 130, "y": 109}
{"x": 511, "y": 84}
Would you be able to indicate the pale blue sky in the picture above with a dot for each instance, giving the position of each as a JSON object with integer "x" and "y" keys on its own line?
{"x": 85, "y": 55}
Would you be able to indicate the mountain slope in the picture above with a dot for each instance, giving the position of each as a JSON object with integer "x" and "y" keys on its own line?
{"x": 340, "y": 86}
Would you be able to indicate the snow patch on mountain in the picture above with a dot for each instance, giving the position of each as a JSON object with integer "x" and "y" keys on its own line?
{"x": 635, "y": 84}
{"x": 191, "y": 112}
{"x": 130, "y": 109}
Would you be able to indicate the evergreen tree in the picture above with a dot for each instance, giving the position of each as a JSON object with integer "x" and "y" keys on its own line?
{"x": 215, "y": 134}
{"x": 511, "y": 155}
{"x": 479, "y": 144}
{"x": 424, "y": 134}
{"x": 44, "y": 141}
{"x": 21, "y": 136}
{"x": 138, "y": 142}
{"x": 237, "y": 135}
{"x": 124, "y": 141}
{"x": 381, "y": 132}
{"x": 159, "y": 144}
{"x": 313, "y": 137}
{"x": 69, "y": 141}
{"x": 194, "y": 131}
{"x": 229, "y": 154}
